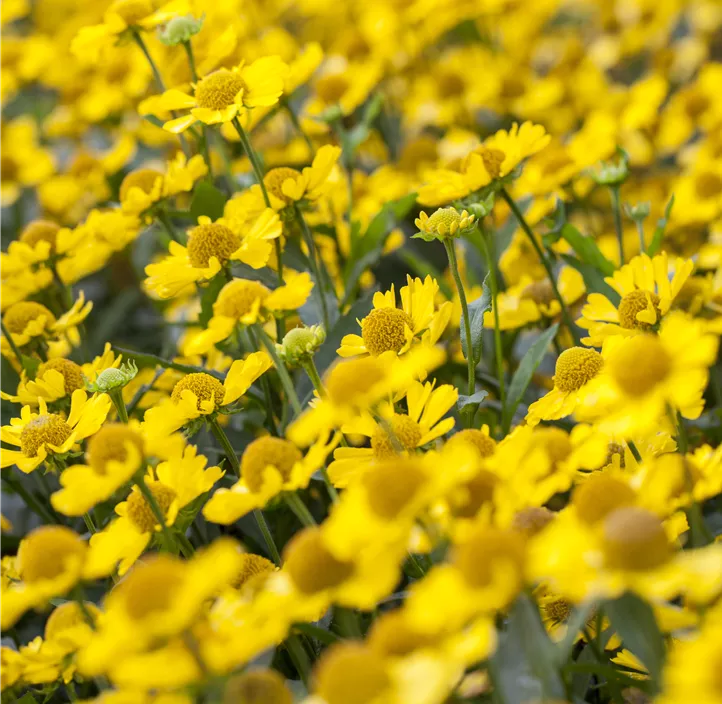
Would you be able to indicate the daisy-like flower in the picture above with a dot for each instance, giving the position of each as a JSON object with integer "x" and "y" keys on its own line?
{"x": 517, "y": 144}
{"x": 201, "y": 395}
{"x": 210, "y": 246}
{"x": 174, "y": 483}
{"x": 269, "y": 466}
{"x": 244, "y": 302}
{"x": 224, "y": 95}
{"x": 647, "y": 287}
{"x": 424, "y": 423}
{"x": 648, "y": 374}
{"x": 390, "y": 329}
{"x": 575, "y": 368}
{"x": 45, "y": 437}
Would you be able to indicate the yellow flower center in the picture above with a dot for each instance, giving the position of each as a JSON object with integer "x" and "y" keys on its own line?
{"x": 633, "y": 303}
{"x": 274, "y": 180}
{"x": 348, "y": 381}
{"x": 268, "y": 452}
{"x": 111, "y": 443}
{"x": 541, "y": 292}
{"x": 640, "y": 364}
{"x": 211, "y": 240}
{"x": 204, "y": 386}
{"x": 485, "y": 550}
{"x": 237, "y": 298}
{"x": 478, "y": 439}
{"x": 139, "y": 511}
{"x": 18, "y": 315}
{"x": 532, "y": 520}
{"x": 615, "y": 449}
{"x": 257, "y": 687}
{"x": 557, "y": 610}
{"x": 218, "y": 90}
{"x": 72, "y": 373}
{"x": 392, "y": 635}
{"x": 252, "y": 566}
{"x": 132, "y": 11}
{"x": 444, "y": 220}
{"x": 351, "y": 673}
{"x": 599, "y": 495}
{"x": 311, "y": 565}
{"x": 384, "y": 329}
{"x": 151, "y": 586}
{"x": 44, "y": 553}
{"x": 40, "y": 231}
{"x": 634, "y": 539}
{"x": 331, "y": 88}
{"x": 391, "y": 486}
{"x": 145, "y": 179}
{"x": 68, "y": 615}
{"x": 575, "y": 367}
{"x": 50, "y": 429}
{"x": 477, "y": 492}
{"x": 493, "y": 159}
{"x": 406, "y": 431}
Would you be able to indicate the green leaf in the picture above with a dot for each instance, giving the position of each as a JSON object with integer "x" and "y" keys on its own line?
{"x": 30, "y": 365}
{"x": 153, "y": 359}
{"x": 464, "y": 401}
{"x": 208, "y": 201}
{"x": 633, "y": 619}
{"x": 656, "y": 244}
{"x": 209, "y": 296}
{"x": 587, "y": 249}
{"x": 593, "y": 279}
{"x": 477, "y": 309}
{"x": 27, "y": 698}
{"x": 575, "y": 623}
{"x": 524, "y": 372}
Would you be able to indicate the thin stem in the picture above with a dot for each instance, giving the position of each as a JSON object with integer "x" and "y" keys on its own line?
{"x": 267, "y": 537}
{"x": 682, "y": 441}
{"x": 12, "y": 344}
{"x": 89, "y": 523}
{"x": 300, "y": 509}
{"x": 266, "y": 385}
{"x": 471, "y": 381}
{"x": 226, "y": 445}
{"x": 280, "y": 368}
{"x": 191, "y": 59}
{"x": 116, "y": 396}
{"x": 545, "y": 263}
{"x": 185, "y": 544}
{"x": 315, "y": 265}
{"x": 617, "y": 210}
{"x": 297, "y": 124}
{"x": 309, "y": 366}
{"x": 498, "y": 351}
{"x": 65, "y": 293}
{"x": 299, "y": 658}
{"x": 640, "y": 231}
{"x": 156, "y": 73}
{"x": 79, "y": 597}
{"x": 156, "y": 509}
{"x": 164, "y": 220}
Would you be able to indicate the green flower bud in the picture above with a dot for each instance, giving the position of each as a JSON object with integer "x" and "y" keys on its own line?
{"x": 300, "y": 344}
{"x": 482, "y": 208}
{"x": 180, "y": 29}
{"x": 638, "y": 212}
{"x": 612, "y": 173}
{"x": 110, "y": 379}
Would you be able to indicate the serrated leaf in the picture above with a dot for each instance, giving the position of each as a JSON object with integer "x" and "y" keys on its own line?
{"x": 208, "y": 201}
{"x": 464, "y": 401}
{"x": 656, "y": 244}
{"x": 593, "y": 279}
{"x": 587, "y": 249}
{"x": 633, "y": 620}
{"x": 524, "y": 372}
{"x": 477, "y": 309}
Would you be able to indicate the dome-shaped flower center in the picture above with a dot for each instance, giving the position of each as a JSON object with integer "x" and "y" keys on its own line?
{"x": 392, "y": 485}
{"x": 251, "y": 567}
{"x": 332, "y": 87}
{"x": 145, "y": 179}
{"x": 211, "y": 240}
{"x": 405, "y": 430}
{"x": 151, "y": 586}
{"x": 268, "y": 452}
{"x": 575, "y": 367}
{"x": 257, "y": 687}
{"x": 111, "y": 378}
{"x": 391, "y": 634}
{"x": 40, "y": 231}
{"x": 45, "y": 552}
{"x": 541, "y": 292}
{"x": 311, "y": 565}
{"x": 640, "y": 364}
{"x": 485, "y": 445}
{"x": 532, "y": 520}
{"x": 477, "y": 492}
{"x": 204, "y": 386}
{"x": 218, "y": 90}
{"x": 493, "y": 159}
{"x": 49, "y": 429}
{"x": 132, "y": 11}
{"x": 556, "y": 443}
{"x": 557, "y": 610}
{"x": 18, "y": 315}
{"x": 139, "y": 511}
{"x": 274, "y": 181}
{"x": 384, "y": 329}
{"x": 708, "y": 185}
{"x": 351, "y": 673}
{"x": 485, "y": 551}
{"x": 599, "y": 495}
{"x": 68, "y": 615}
{"x": 238, "y": 297}
{"x": 635, "y": 539}
{"x": 614, "y": 449}
{"x": 634, "y": 303}
{"x": 444, "y": 220}
{"x": 72, "y": 373}
{"x": 111, "y": 442}
{"x": 348, "y": 381}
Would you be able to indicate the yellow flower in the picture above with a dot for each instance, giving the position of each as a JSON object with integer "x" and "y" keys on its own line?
{"x": 519, "y": 143}
{"x": 210, "y": 246}
{"x": 444, "y": 223}
{"x": 269, "y": 466}
{"x": 424, "y": 423}
{"x": 388, "y": 328}
{"x": 647, "y": 288}
{"x": 225, "y": 94}
{"x": 342, "y": 86}
{"x": 40, "y": 436}
{"x": 25, "y": 162}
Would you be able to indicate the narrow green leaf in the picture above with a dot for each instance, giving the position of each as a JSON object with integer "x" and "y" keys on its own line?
{"x": 656, "y": 244}
{"x": 593, "y": 279}
{"x": 475, "y": 400}
{"x": 208, "y": 201}
{"x": 587, "y": 249}
{"x": 524, "y": 372}
{"x": 209, "y": 296}
{"x": 477, "y": 309}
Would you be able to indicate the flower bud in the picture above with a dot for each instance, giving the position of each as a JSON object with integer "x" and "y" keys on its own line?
{"x": 300, "y": 344}
{"x": 113, "y": 378}
{"x": 180, "y": 29}
{"x": 610, "y": 173}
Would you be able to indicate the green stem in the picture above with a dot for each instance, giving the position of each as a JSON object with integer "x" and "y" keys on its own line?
{"x": 221, "y": 436}
{"x": 297, "y": 124}
{"x": 267, "y": 537}
{"x": 617, "y": 210}
{"x": 416, "y": 565}
{"x": 498, "y": 351}
{"x": 164, "y": 220}
{"x": 471, "y": 381}
{"x": 12, "y": 344}
{"x": 640, "y": 232}
{"x": 116, "y": 396}
{"x": 30, "y": 501}
{"x": 280, "y": 368}
{"x": 191, "y": 60}
{"x": 89, "y": 523}
{"x": 79, "y": 596}
{"x": 309, "y": 366}
{"x": 315, "y": 264}
{"x": 156, "y": 73}
{"x": 300, "y": 509}
{"x": 299, "y": 658}
{"x": 65, "y": 292}
{"x": 185, "y": 544}
{"x": 545, "y": 263}
{"x": 347, "y": 622}
{"x": 156, "y": 509}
